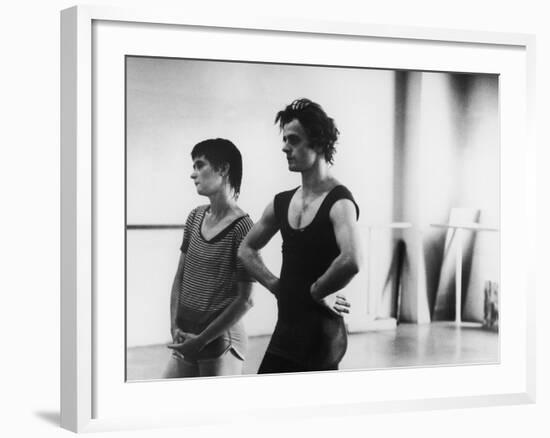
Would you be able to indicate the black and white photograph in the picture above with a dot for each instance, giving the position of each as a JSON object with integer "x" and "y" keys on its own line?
{"x": 303, "y": 219}
{"x": 287, "y": 218}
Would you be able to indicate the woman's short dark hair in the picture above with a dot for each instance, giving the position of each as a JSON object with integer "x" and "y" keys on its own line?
{"x": 219, "y": 151}
{"x": 319, "y": 127}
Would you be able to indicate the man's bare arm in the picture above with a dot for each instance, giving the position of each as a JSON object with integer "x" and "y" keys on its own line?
{"x": 347, "y": 264}
{"x": 249, "y": 251}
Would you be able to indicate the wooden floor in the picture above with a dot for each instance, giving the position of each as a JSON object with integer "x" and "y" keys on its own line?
{"x": 410, "y": 345}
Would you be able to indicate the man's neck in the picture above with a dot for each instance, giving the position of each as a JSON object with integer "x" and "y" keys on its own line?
{"x": 314, "y": 179}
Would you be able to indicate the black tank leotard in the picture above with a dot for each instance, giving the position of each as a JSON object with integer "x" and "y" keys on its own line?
{"x": 308, "y": 336}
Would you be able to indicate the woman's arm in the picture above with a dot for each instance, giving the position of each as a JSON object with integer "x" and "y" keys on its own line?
{"x": 231, "y": 315}
{"x": 194, "y": 343}
{"x": 176, "y": 287}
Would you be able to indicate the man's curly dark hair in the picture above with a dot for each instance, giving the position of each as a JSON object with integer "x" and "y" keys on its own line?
{"x": 319, "y": 127}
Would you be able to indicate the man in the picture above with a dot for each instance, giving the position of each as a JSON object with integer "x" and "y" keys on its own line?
{"x": 321, "y": 251}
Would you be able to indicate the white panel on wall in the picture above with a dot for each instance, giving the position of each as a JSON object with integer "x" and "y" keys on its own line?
{"x": 152, "y": 258}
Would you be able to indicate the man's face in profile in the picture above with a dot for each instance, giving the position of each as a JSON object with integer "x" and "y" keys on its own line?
{"x": 296, "y": 146}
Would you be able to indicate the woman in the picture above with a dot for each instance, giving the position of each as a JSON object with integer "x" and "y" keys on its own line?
{"x": 211, "y": 290}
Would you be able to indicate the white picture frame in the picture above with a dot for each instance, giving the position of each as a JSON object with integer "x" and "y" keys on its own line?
{"x": 83, "y": 386}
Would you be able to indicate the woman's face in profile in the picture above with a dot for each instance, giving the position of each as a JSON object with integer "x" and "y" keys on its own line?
{"x": 206, "y": 178}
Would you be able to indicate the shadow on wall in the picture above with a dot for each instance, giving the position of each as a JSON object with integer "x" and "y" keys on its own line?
{"x": 441, "y": 276}
{"x": 394, "y": 280}
{"x": 460, "y": 86}
{"x": 393, "y": 284}
{"x": 399, "y": 136}
{"x": 434, "y": 248}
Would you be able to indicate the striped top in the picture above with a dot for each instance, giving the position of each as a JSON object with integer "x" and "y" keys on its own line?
{"x": 211, "y": 270}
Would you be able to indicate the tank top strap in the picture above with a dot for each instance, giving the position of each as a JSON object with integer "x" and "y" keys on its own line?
{"x": 281, "y": 201}
{"x": 336, "y": 194}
